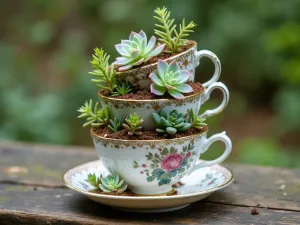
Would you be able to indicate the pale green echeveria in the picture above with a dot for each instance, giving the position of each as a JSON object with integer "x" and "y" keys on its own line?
{"x": 136, "y": 50}
{"x": 170, "y": 78}
{"x": 112, "y": 183}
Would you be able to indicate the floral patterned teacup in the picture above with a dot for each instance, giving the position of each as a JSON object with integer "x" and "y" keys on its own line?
{"x": 150, "y": 167}
{"x": 187, "y": 60}
{"x": 144, "y": 108}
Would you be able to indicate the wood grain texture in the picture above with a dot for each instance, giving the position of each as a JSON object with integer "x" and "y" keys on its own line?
{"x": 24, "y": 205}
{"x": 25, "y": 167}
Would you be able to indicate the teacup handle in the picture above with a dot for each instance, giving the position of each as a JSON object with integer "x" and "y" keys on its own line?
{"x": 206, "y": 144}
{"x": 216, "y": 61}
{"x": 206, "y": 95}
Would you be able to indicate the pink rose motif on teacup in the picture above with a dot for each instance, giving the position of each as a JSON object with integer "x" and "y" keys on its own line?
{"x": 172, "y": 162}
{"x": 167, "y": 164}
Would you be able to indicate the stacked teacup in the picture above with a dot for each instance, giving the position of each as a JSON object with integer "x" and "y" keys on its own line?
{"x": 151, "y": 167}
{"x": 149, "y": 130}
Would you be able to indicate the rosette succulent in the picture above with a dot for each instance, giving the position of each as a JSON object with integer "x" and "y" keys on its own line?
{"x": 196, "y": 121}
{"x": 116, "y": 124}
{"x": 97, "y": 117}
{"x": 133, "y": 124}
{"x": 136, "y": 50}
{"x": 112, "y": 183}
{"x": 170, "y": 123}
{"x": 170, "y": 78}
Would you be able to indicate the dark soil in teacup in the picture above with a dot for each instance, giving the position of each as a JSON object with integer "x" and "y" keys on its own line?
{"x": 147, "y": 95}
{"x": 146, "y": 135}
{"x": 165, "y": 54}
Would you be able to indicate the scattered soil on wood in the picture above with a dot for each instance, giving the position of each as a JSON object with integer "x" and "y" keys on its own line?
{"x": 147, "y": 95}
{"x": 254, "y": 211}
{"x": 165, "y": 54}
{"x": 146, "y": 135}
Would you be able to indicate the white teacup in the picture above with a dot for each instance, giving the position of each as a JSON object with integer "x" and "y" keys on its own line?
{"x": 187, "y": 60}
{"x": 150, "y": 167}
{"x": 144, "y": 108}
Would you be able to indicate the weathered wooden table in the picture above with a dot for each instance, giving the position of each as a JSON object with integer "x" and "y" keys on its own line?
{"x": 31, "y": 192}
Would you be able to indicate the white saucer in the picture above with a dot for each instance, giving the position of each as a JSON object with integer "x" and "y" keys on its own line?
{"x": 197, "y": 186}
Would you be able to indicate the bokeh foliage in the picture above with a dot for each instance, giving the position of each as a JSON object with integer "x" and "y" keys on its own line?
{"x": 46, "y": 46}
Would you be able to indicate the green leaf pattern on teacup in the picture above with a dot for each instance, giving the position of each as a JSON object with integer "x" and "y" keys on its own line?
{"x": 166, "y": 164}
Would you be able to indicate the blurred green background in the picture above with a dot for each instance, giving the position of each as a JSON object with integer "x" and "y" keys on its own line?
{"x": 46, "y": 46}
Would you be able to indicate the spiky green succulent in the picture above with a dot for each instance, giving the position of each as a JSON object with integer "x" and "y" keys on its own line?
{"x": 93, "y": 180}
{"x": 170, "y": 123}
{"x": 136, "y": 50}
{"x": 133, "y": 124}
{"x": 97, "y": 117}
{"x": 116, "y": 124}
{"x": 112, "y": 183}
{"x": 105, "y": 74}
{"x": 196, "y": 121}
{"x": 167, "y": 32}
{"x": 122, "y": 89}
{"x": 170, "y": 78}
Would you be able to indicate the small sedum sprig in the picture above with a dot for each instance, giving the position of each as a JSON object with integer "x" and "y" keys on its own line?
{"x": 122, "y": 89}
{"x": 112, "y": 183}
{"x": 136, "y": 50}
{"x": 93, "y": 180}
{"x": 170, "y": 123}
{"x": 133, "y": 124}
{"x": 170, "y": 78}
{"x": 105, "y": 74}
{"x": 97, "y": 117}
{"x": 167, "y": 32}
{"x": 196, "y": 121}
{"x": 116, "y": 124}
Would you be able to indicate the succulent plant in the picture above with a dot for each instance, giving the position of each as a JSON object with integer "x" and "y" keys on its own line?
{"x": 93, "y": 180}
{"x": 122, "y": 89}
{"x": 136, "y": 50}
{"x": 170, "y": 123}
{"x": 133, "y": 124}
{"x": 97, "y": 117}
{"x": 105, "y": 74}
{"x": 116, "y": 124}
{"x": 168, "y": 34}
{"x": 112, "y": 183}
{"x": 170, "y": 78}
{"x": 196, "y": 121}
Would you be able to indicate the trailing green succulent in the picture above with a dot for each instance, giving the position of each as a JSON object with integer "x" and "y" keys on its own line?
{"x": 136, "y": 50}
{"x": 133, "y": 124}
{"x": 170, "y": 123}
{"x": 196, "y": 121}
{"x": 170, "y": 78}
{"x": 122, "y": 89}
{"x": 97, "y": 117}
{"x": 93, "y": 180}
{"x": 105, "y": 74}
{"x": 112, "y": 183}
{"x": 168, "y": 34}
{"x": 116, "y": 124}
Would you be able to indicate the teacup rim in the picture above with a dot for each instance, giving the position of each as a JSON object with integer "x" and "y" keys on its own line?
{"x": 197, "y": 135}
{"x": 155, "y": 63}
{"x": 152, "y": 100}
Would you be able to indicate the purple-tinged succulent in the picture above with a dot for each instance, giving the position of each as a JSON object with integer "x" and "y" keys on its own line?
{"x": 170, "y": 78}
{"x": 136, "y": 50}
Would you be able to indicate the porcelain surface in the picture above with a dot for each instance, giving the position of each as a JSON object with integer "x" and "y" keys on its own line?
{"x": 150, "y": 167}
{"x": 145, "y": 108}
{"x": 197, "y": 186}
{"x": 187, "y": 60}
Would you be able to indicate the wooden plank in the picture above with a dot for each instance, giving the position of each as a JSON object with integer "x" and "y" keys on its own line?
{"x": 40, "y": 164}
{"x": 275, "y": 188}
{"x": 24, "y": 205}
